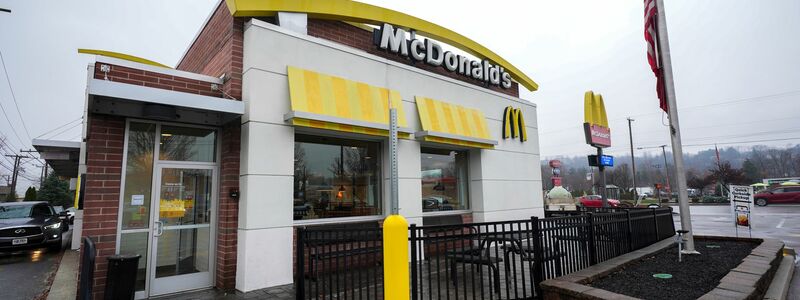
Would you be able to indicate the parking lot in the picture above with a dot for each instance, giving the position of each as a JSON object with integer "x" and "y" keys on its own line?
{"x": 25, "y": 274}
{"x": 774, "y": 221}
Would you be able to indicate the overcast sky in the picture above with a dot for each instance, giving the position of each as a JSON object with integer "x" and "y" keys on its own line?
{"x": 736, "y": 63}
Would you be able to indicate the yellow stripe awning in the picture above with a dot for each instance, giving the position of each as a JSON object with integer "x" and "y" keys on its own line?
{"x": 334, "y": 103}
{"x": 448, "y": 123}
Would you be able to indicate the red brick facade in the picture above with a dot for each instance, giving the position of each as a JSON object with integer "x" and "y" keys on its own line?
{"x": 155, "y": 80}
{"x": 104, "y": 146}
{"x": 217, "y": 51}
{"x": 361, "y": 39}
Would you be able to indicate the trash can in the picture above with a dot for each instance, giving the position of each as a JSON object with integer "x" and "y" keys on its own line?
{"x": 121, "y": 276}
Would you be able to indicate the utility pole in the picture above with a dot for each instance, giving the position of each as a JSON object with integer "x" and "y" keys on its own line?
{"x": 666, "y": 171}
{"x": 44, "y": 167}
{"x": 674, "y": 125}
{"x": 633, "y": 162}
{"x": 15, "y": 172}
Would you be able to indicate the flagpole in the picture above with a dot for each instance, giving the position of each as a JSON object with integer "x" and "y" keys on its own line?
{"x": 675, "y": 132}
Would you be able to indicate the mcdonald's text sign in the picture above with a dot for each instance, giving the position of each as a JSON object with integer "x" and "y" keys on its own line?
{"x": 595, "y": 126}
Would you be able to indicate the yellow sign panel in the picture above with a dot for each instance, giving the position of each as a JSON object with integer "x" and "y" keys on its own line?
{"x": 594, "y": 110}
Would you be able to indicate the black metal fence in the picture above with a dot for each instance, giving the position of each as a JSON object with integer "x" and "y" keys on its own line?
{"x": 339, "y": 263}
{"x": 492, "y": 260}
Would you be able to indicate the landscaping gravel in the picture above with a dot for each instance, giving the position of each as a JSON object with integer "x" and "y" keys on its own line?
{"x": 692, "y": 278}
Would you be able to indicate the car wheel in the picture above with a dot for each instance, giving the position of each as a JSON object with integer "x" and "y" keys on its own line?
{"x": 761, "y": 202}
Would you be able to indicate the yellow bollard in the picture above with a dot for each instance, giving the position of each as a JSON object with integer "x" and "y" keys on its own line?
{"x": 395, "y": 258}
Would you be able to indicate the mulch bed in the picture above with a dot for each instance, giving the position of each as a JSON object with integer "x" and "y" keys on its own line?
{"x": 692, "y": 278}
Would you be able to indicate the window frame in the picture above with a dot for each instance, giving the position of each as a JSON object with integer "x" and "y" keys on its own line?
{"x": 467, "y": 201}
{"x": 379, "y": 170}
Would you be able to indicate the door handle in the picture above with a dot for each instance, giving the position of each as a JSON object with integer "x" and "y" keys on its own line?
{"x": 159, "y": 228}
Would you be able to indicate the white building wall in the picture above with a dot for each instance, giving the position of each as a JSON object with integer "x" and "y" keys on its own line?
{"x": 505, "y": 182}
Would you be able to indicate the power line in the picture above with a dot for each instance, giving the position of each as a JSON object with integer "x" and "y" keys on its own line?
{"x": 59, "y": 127}
{"x": 756, "y": 98}
{"x": 65, "y": 130}
{"x": 14, "y": 97}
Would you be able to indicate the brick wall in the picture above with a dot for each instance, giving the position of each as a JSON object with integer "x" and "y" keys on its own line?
{"x": 228, "y": 214}
{"x": 155, "y": 80}
{"x": 361, "y": 39}
{"x": 217, "y": 51}
{"x": 101, "y": 199}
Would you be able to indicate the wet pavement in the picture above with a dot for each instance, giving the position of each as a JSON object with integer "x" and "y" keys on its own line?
{"x": 25, "y": 274}
{"x": 774, "y": 221}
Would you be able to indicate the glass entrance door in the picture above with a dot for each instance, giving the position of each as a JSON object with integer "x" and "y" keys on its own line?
{"x": 181, "y": 256}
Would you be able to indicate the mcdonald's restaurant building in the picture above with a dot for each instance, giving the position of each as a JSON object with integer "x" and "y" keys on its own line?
{"x": 275, "y": 118}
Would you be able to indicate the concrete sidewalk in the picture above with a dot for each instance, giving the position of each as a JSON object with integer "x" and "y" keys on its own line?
{"x": 65, "y": 284}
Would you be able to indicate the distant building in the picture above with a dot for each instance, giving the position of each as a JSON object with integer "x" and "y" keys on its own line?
{"x": 4, "y": 191}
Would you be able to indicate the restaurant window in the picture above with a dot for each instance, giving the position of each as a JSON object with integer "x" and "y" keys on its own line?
{"x": 444, "y": 180}
{"x": 336, "y": 178}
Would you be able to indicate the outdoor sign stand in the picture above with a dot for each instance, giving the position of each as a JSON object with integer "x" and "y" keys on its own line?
{"x": 741, "y": 197}
{"x": 598, "y": 135}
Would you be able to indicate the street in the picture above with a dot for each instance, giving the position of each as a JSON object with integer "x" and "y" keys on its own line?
{"x": 774, "y": 221}
{"x": 25, "y": 274}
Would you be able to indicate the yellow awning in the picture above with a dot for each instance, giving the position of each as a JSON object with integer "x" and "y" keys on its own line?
{"x": 448, "y": 123}
{"x": 334, "y": 103}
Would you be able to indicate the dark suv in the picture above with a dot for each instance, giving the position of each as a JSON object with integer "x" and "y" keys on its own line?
{"x": 28, "y": 225}
{"x": 783, "y": 194}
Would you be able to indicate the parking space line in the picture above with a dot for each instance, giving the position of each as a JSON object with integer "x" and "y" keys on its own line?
{"x": 780, "y": 224}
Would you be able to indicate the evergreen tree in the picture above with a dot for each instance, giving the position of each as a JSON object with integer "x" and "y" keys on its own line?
{"x": 56, "y": 191}
{"x": 30, "y": 194}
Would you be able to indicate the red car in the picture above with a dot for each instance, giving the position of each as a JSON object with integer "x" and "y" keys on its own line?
{"x": 778, "y": 195}
{"x": 596, "y": 201}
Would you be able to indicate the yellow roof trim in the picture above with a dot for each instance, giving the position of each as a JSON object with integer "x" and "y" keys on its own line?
{"x": 122, "y": 56}
{"x": 352, "y": 11}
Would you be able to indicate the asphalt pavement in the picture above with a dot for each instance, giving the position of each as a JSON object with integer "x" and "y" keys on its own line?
{"x": 774, "y": 221}
{"x": 24, "y": 274}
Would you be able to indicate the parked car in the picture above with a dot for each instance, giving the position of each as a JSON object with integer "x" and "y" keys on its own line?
{"x": 65, "y": 214}
{"x": 596, "y": 201}
{"x": 28, "y": 225}
{"x": 778, "y": 195}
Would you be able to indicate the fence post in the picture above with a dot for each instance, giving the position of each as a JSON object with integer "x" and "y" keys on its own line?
{"x": 414, "y": 279}
{"x": 630, "y": 230}
{"x": 537, "y": 255}
{"x": 395, "y": 258}
{"x": 300, "y": 287}
{"x": 655, "y": 224}
{"x": 592, "y": 250}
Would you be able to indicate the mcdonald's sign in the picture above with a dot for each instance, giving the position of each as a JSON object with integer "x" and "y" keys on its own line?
{"x": 595, "y": 126}
{"x": 514, "y": 124}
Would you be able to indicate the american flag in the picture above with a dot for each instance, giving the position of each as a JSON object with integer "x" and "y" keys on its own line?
{"x": 650, "y": 35}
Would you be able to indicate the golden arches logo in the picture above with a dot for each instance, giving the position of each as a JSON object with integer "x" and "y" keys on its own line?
{"x": 514, "y": 124}
{"x": 595, "y": 125}
{"x": 594, "y": 110}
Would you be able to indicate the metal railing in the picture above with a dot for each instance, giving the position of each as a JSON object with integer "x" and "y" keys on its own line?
{"x": 339, "y": 263}
{"x": 491, "y": 260}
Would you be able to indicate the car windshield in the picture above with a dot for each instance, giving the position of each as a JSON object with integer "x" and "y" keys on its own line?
{"x": 15, "y": 211}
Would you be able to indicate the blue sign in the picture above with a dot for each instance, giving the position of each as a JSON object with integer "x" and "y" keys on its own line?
{"x": 606, "y": 160}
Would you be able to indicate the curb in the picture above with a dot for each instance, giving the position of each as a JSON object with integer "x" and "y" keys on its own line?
{"x": 65, "y": 284}
{"x": 779, "y": 288}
